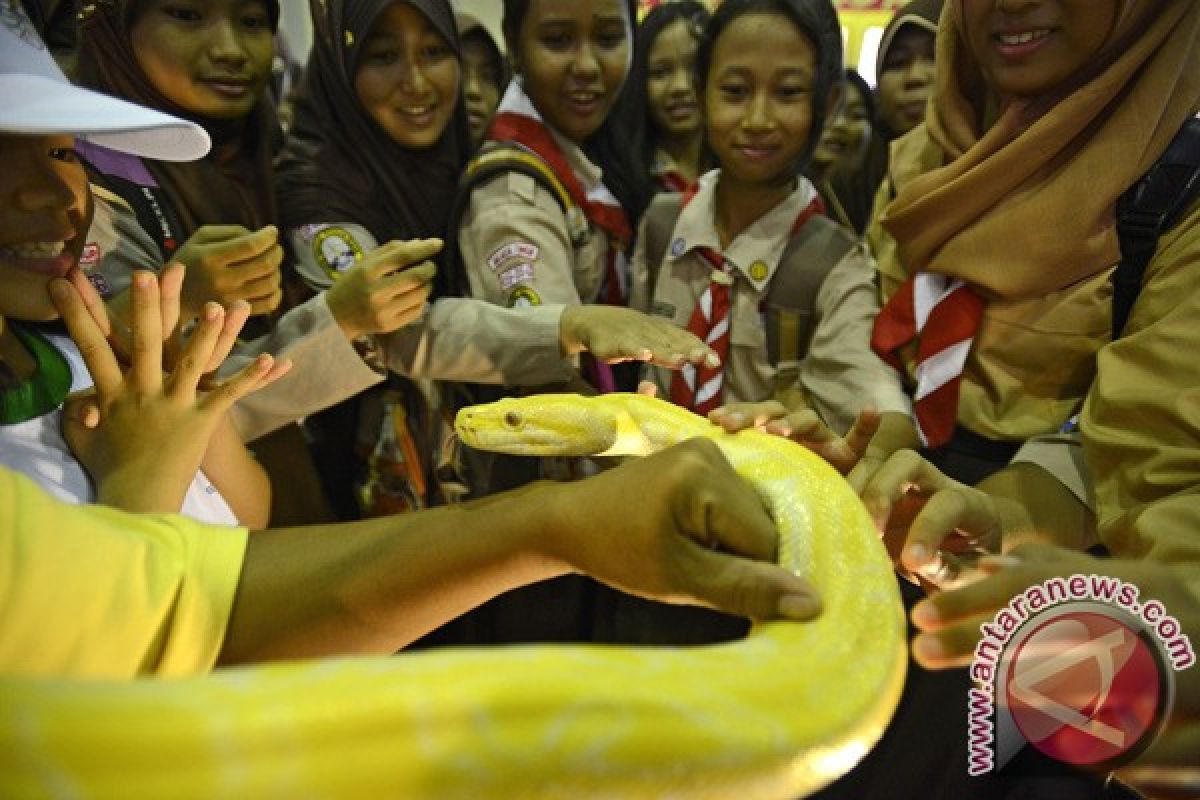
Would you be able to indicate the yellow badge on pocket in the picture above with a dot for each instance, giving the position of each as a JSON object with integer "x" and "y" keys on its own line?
{"x": 759, "y": 270}
{"x": 336, "y": 250}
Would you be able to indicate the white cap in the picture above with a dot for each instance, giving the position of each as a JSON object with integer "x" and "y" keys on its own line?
{"x": 37, "y": 98}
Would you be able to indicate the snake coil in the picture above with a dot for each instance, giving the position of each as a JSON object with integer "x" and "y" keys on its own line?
{"x": 775, "y": 715}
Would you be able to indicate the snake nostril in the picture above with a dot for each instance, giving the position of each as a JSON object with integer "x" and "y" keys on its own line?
{"x": 512, "y": 419}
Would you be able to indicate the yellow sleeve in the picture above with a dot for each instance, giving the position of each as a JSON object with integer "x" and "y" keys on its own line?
{"x": 1141, "y": 420}
{"x": 93, "y": 592}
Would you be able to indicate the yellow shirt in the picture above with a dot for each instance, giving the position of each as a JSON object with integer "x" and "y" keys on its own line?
{"x": 92, "y": 592}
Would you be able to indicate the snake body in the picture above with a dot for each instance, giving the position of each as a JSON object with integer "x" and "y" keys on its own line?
{"x": 775, "y": 715}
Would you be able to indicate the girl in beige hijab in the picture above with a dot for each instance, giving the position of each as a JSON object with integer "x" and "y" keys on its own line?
{"x": 1043, "y": 115}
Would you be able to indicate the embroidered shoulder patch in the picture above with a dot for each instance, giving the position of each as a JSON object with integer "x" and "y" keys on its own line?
{"x": 516, "y": 275}
{"x": 523, "y": 298}
{"x": 513, "y": 251}
{"x": 336, "y": 250}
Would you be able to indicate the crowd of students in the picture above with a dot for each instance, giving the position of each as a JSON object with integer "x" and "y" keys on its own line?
{"x": 265, "y": 329}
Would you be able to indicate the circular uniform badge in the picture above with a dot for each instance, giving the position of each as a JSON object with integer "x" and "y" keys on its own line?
{"x": 759, "y": 270}
{"x": 336, "y": 250}
{"x": 678, "y": 246}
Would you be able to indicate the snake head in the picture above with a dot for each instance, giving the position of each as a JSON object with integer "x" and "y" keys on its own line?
{"x": 539, "y": 425}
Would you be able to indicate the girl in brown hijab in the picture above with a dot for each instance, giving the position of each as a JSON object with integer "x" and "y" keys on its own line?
{"x": 123, "y": 48}
{"x": 1010, "y": 188}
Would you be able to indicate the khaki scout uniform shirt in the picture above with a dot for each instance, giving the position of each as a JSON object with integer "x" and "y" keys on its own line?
{"x": 840, "y": 374}
{"x": 1141, "y": 421}
{"x": 1034, "y": 362}
{"x": 445, "y": 344}
{"x": 518, "y": 247}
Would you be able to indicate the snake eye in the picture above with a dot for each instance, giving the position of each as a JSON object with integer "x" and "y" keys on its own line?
{"x": 512, "y": 419}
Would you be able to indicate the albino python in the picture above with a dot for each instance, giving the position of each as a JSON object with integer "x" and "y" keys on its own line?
{"x": 775, "y": 715}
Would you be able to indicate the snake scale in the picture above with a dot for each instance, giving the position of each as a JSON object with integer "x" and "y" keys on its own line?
{"x": 775, "y": 715}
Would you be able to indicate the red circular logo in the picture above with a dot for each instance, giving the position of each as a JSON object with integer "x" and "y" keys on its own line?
{"x": 1085, "y": 688}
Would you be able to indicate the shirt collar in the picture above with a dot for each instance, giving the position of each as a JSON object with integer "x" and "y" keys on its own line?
{"x": 757, "y": 250}
{"x": 590, "y": 175}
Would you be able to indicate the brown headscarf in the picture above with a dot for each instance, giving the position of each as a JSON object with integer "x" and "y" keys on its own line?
{"x": 338, "y": 165}
{"x": 1026, "y": 206}
{"x": 233, "y": 184}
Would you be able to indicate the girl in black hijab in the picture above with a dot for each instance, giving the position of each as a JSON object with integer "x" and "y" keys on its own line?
{"x": 379, "y": 137}
{"x": 339, "y": 163}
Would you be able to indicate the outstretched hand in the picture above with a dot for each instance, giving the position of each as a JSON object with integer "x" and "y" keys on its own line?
{"x": 700, "y": 536}
{"x": 386, "y": 290}
{"x": 930, "y": 522}
{"x": 615, "y": 334}
{"x": 141, "y": 432}
{"x": 803, "y": 427}
{"x": 228, "y": 263}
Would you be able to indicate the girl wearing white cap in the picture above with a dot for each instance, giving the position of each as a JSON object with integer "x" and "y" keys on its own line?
{"x": 162, "y": 431}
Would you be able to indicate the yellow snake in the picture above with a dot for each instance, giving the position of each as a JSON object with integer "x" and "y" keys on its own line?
{"x": 776, "y": 715}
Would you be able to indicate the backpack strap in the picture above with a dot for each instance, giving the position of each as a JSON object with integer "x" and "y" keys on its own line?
{"x": 128, "y": 177}
{"x": 791, "y": 299}
{"x": 493, "y": 160}
{"x": 658, "y": 223}
{"x": 1148, "y": 209}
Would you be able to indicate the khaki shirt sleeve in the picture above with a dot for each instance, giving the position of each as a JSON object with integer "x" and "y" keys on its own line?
{"x": 116, "y": 245}
{"x": 841, "y": 373}
{"x": 515, "y": 246}
{"x": 326, "y": 369}
{"x": 1061, "y": 455}
{"x": 1141, "y": 420}
{"x": 324, "y": 251}
{"x": 92, "y": 592}
{"x": 464, "y": 339}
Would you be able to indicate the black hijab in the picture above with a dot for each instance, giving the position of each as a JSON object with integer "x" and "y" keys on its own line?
{"x": 338, "y": 165}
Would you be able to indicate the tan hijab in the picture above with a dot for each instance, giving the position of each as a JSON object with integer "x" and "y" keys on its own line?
{"x": 1026, "y": 207}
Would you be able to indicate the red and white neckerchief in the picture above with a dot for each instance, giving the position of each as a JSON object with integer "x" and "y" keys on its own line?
{"x": 668, "y": 178}
{"x": 516, "y": 120}
{"x": 672, "y": 181}
{"x": 942, "y": 314}
{"x": 701, "y": 389}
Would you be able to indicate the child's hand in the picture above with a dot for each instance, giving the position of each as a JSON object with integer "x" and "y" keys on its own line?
{"x": 142, "y": 433}
{"x": 615, "y": 334}
{"x": 803, "y": 427}
{"x": 386, "y": 290}
{"x": 227, "y": 263}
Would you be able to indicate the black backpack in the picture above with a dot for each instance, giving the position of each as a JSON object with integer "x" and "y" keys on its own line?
{"x": 1149, "y": 208}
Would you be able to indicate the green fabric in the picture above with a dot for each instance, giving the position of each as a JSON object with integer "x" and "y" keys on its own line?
{"x": 45, "y": 390}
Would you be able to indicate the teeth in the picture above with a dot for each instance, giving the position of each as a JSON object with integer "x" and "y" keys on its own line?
{"x": 33, "y": 250}
{"x": 417, "y": 110}
{"x": 1022, "y": 38}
